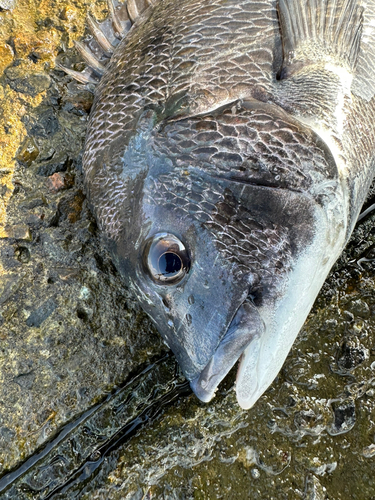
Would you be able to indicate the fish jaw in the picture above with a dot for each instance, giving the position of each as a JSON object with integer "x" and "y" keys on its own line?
{"x": 246, "y": 329}
{"x": 261, "y": 361}
{"x": 262, "y": 336}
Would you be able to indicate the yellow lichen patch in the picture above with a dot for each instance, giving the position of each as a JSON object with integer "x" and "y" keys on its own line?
{"x": 23, "y": 27}
{"x": 99, "y": 9}
{"x": 74, "y": 20}
{"x": 38, "y": 30}
{"x": 41, "y": 24}
{"x": 71, "y": 14}
{"x": 12, "y": 134}
{"x": 6, "y": 55}
{"x": 44, "y": 45}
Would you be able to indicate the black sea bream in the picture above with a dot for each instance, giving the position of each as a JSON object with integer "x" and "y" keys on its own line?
{"x": 229, "y": 151}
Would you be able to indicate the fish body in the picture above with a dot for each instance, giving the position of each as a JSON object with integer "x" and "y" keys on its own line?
{"x": 229, "y": 151}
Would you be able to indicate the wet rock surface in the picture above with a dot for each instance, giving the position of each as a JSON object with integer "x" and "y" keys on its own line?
{"x": 71, "y": 334}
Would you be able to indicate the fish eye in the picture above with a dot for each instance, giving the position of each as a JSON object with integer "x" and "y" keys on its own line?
{"x": 165, "y": 259}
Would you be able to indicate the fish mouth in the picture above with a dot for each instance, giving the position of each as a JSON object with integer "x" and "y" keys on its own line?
{"x": 245, "y": 328}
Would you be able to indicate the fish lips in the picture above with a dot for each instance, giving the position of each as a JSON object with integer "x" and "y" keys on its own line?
{"x": 246, "y": 328}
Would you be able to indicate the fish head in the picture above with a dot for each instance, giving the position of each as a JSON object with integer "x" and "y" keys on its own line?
{"x": 170, "y": 259}
{"x": 230, "y": 223}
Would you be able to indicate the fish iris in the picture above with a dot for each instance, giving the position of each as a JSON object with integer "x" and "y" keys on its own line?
{"x": 165, "y": 258}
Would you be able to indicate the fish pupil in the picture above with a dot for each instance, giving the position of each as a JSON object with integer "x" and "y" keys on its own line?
{"x": 170, "y": 264}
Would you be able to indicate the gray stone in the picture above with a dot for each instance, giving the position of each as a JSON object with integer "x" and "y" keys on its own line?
{"x": 27, "y": 83}
{"x": 7, "y": 4}
{"x": 40, "y": 314}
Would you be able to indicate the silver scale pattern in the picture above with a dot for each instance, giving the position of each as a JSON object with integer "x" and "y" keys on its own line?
{"x": 209, "y": 52}
{"x": 247, "y": 147}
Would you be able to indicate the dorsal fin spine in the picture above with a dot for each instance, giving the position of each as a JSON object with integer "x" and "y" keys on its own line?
{"x": 122, "y": 15}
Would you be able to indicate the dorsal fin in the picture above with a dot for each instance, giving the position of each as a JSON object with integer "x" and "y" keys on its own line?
{"x": 106, "y": 35}
{"x": 90, "y": 58}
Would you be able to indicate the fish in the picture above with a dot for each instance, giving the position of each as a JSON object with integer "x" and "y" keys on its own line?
{"x": 229, "y": 150}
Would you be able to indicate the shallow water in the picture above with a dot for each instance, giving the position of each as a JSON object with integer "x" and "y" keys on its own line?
{"x": 74, "y": 343}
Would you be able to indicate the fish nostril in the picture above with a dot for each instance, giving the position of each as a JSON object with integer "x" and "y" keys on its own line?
{"x": 191, "y": 299}
{"x": 166, "y": 303}
{"x": 256, "y": 297}
{"x": 189, "y": 319}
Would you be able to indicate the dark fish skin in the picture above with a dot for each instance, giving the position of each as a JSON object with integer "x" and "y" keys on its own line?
{"x": 258, "y": 166}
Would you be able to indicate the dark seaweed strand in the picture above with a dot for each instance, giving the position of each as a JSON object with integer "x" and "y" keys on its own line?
{"x": 8, "y": 479}
{"x": 174, "y": 389}
{"x": 90, "y": 468}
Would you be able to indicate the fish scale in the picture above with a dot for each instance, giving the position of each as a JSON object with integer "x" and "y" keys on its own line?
{"x": 249, "y": 247}
{"x": 153, "y": 65}
{"x": 229, "y": 150}
{"x": 247, "y": 163}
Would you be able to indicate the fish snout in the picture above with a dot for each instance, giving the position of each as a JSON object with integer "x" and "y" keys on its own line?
{"x": 246, "y": 328}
